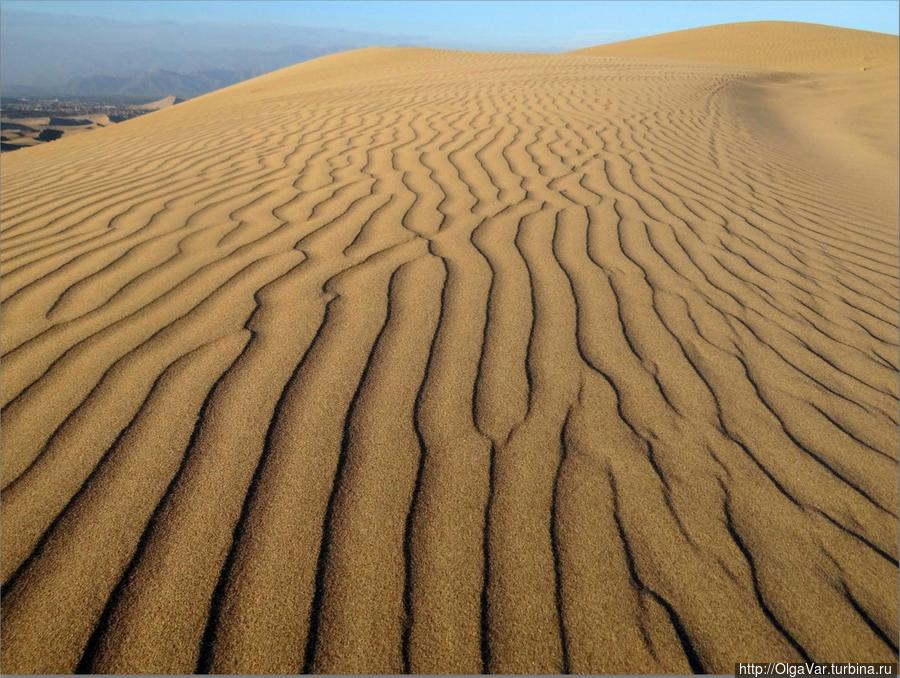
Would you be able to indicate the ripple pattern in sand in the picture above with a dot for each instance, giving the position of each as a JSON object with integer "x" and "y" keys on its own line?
{"x": 454, "y": 363}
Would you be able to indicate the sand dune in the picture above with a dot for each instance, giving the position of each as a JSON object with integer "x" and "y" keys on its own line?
{"x": 770, "y": 45}
{"x": 414, "y": 360}
{"x": 22, "y": 132}
{"x": 843, "y": 81}
{"x": 165, "y": 102}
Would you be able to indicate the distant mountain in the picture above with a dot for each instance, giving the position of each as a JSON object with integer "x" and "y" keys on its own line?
{"x": 50, "y": 54}
{"x": 154, "y": 84}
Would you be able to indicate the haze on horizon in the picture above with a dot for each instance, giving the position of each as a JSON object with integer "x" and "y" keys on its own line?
{"x": 82, "y": 47}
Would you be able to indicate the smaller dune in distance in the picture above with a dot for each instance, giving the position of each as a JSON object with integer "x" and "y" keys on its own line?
{"x": 414, "y": 360}
{"x": 29, "y": 122}
{"x": 159, "y": 104}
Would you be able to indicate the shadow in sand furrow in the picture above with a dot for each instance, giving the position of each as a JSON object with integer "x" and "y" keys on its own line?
{"x": 107, "y": 516}
{"x": 244, "y": 428}
{"x": 817, "y": 457}
{"x": 205, "y": 653}
{"x": 448, "y": 526}
{"x": 355, "y": 500}
{"x": 554, "y": 544}
{"x": 137, "y": 187}
{"x": 883, "y": 636}
{"x": 409, "y": 561}
{"x": 769, "y": 345}
{"x": 690, "y": 653}
{"x": 187, "y": 259}
{"x": 182, "y": 254}
{"x": 753, "y": 208}
{"x": 501, "y": 392}
{"x": 82, "y": 370}
{"x": 748, "y": 556}
{"x": 115, "y": 238}
{"x": 94, "y": 645}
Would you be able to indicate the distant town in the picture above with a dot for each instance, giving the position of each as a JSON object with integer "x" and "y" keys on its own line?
{"x": 26, "y": 121}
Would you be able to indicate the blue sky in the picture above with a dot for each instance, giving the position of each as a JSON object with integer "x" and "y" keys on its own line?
{"x": 533, "y": 25}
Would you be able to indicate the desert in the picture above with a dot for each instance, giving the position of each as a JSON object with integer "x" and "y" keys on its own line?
{"x": 28, "y": 122}
{"x": 435, "y": 361}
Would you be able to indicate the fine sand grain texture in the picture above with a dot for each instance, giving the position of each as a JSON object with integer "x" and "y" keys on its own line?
{"x": 416, "y": 360}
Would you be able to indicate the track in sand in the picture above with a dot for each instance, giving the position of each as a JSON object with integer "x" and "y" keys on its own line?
{"x": 411, "y": 360}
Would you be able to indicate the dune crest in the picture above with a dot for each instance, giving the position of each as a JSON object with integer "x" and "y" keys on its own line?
{"x": 433, "y": 361}
{"x": 838, "y": 85}
{"x": 768, "y": 45}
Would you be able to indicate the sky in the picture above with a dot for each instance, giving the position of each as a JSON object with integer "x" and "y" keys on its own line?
{"x": 531, "y": 25}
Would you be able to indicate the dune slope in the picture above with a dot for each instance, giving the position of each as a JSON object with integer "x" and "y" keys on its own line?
{"x": 410, "y": 360}
{"x": 772, "y": 45}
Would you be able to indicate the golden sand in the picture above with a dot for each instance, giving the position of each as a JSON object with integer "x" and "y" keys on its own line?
{"x": 418, "y": 360}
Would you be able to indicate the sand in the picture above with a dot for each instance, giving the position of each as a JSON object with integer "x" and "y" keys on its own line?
{"x": 432, "y": 361}
{"x": 159, "y": 104}
{"x": 19, "y": 133}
